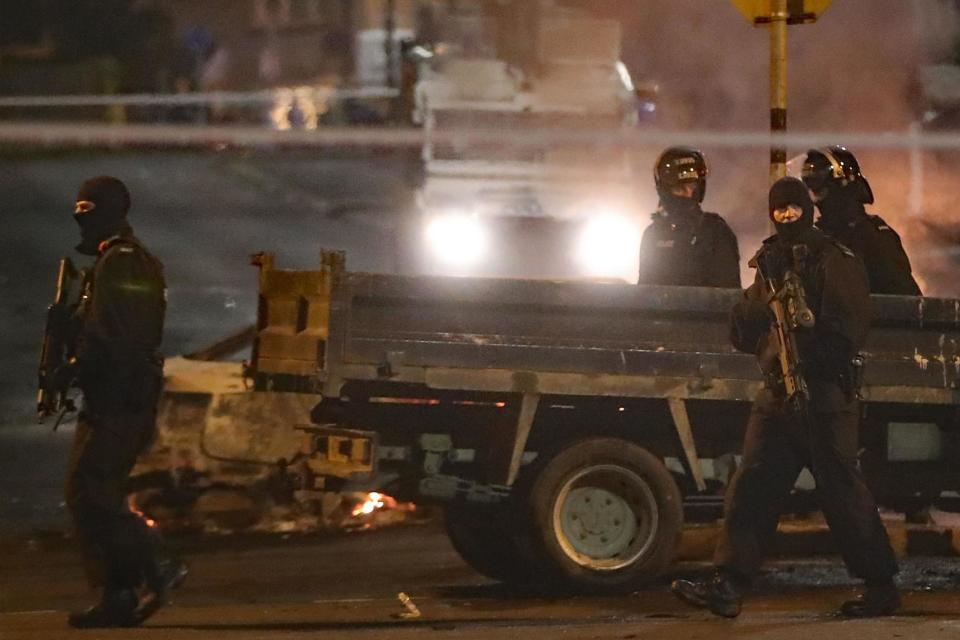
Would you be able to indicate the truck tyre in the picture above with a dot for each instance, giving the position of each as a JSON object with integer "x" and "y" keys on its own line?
{"x": 606, "y": 515}
{"x": 486, "y": 537}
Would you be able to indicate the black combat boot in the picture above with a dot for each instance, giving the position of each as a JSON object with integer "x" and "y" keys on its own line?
{"x": 876, "y": 600}
{"x": 720, "y": 595}
{"x": 117, "y": 608}
{"x": 692, "y": 592}
{"x": 166, "y": 574}
{"x": 163, "y": 577}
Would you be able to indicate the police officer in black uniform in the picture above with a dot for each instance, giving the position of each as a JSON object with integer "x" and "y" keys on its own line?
{"x": 840, "y": 190}
{"x": 116, "y": 364}
{"x": 685, "y": 245}
{"x": 782, "y": 439}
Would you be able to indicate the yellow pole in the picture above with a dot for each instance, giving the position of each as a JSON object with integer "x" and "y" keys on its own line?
{"x": 778, "y": 86}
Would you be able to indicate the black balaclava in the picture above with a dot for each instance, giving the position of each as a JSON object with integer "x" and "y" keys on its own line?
{"x": 840, "y": 206}
{"x": 101, "y": 212}
{"x": 680, "y": 205}
{"x": 784, "y": 193}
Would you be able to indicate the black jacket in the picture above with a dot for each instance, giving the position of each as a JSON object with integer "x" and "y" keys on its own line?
{"x": 697, "y": 250}
{"x": 838, "y": 293}
{"x": 120, "y": 322}
{"x": 881, "y": 250}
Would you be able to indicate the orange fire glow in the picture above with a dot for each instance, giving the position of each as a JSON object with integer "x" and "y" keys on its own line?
{"x": 133, "y": 507}
{"x": 374, "y": 502}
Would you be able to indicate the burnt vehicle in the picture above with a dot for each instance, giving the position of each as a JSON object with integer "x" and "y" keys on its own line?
{"x": 566, "y": 426}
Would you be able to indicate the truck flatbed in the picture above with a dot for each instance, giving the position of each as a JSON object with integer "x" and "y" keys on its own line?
{"x": 522, "y": 404}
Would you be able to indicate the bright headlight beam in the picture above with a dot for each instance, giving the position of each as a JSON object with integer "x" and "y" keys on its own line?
{"x": 609, "y": 247}
{"x": 457, "y": 239}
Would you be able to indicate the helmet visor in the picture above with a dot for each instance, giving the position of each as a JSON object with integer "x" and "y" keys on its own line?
{"x": 815, "y": 177}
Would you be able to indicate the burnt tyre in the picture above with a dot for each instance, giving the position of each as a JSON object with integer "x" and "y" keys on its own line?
{"x": 488, "y": 539}
{"x": 606, "y": 515}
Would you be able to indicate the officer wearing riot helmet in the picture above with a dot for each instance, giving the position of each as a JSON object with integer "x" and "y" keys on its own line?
{"x": 685, "y": 245}
{"x": 819, "y": 433}
{"x": 840, "y": 191}
{"x": 116, "y": 364}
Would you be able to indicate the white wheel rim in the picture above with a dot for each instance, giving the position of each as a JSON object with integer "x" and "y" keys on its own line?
{"x": 605, "y": 517}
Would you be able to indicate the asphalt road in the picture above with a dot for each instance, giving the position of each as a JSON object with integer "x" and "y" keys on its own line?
{"x": 203, "y": 214}
{"x": 346, "y": 586}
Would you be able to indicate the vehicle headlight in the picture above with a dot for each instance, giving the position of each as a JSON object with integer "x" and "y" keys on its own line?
{"x": 457, "y": 239}
{"x": 609, "y": 247}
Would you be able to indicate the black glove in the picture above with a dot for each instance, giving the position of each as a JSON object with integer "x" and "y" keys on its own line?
{"x": 749, "y": 322}
{"x": 775, "y": 260}
{"x": 64, "y": 376}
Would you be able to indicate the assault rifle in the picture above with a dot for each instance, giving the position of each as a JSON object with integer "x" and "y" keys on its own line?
{"x": 787, "y": 301}
{"x": 57, "y": 345}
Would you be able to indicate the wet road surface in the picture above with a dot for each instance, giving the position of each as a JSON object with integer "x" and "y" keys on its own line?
{"x": 346, "y": 586}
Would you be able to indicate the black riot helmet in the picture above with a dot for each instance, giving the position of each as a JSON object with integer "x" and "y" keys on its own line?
{"x": 676, "y": 167}
{"x": 833, "y": 172}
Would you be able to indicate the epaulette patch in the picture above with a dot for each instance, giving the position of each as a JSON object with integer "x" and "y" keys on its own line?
{"x": 879, "y": 224}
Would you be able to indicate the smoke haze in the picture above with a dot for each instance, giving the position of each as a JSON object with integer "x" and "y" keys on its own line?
{"x": 855, "y": 70}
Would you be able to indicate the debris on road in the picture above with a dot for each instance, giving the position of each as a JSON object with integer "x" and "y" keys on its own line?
{"x": 411, "y": 609}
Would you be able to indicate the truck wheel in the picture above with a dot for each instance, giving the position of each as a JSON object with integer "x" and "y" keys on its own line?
{"x": 486, "y": 538}
{"x": 606, "y": 514}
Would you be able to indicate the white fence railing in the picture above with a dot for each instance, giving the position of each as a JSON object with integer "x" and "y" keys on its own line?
{"x": 178, "y": 135}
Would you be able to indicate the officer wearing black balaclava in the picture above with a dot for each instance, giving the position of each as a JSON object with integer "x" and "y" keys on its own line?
{"x": 841, "y": 191}
{"x": 781, "y": 439}
{"x": 101, "y": 212}
{"x": 685, "y": 245}
{"x": 117, "y": 365}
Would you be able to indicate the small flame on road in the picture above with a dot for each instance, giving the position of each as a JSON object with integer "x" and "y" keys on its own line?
{"x": 132, "y": 505}
{"x": 374, "y": 502}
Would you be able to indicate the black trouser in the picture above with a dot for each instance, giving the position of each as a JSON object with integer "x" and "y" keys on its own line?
{"x": 119, "y": 549}
{"x": 777, "y": 446}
